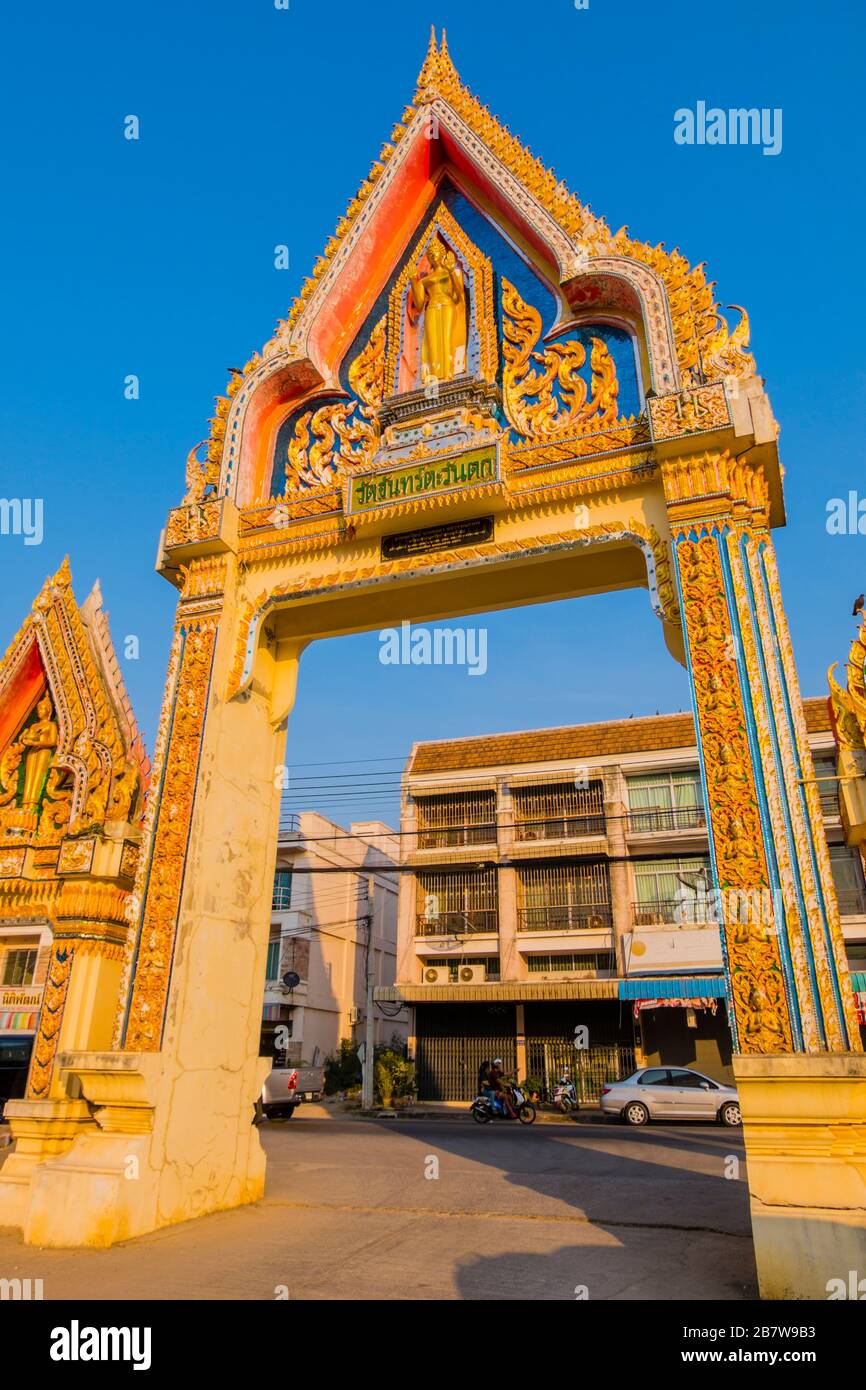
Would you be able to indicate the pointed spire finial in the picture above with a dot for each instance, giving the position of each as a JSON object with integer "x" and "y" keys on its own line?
{"x": 63, "y": 576}
{"x": 447, "y": 69}
{"x": 429, "y": 68}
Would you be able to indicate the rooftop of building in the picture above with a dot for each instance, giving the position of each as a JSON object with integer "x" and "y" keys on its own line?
{"x": 607, "y": 739}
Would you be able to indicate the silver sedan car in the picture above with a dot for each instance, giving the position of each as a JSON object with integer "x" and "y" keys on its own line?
{"x": 670, "y": 1093}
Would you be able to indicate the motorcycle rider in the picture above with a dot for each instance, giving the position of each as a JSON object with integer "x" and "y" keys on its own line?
{"x": 484, "y": 1087}
{"x": 496, "y": 1078}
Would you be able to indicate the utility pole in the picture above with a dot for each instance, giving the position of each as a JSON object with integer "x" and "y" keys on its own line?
{"x": 367, "y": 1072}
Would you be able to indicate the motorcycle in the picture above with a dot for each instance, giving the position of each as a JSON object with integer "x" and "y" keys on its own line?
{"x": 484, "y": 1109}
{"x": 565, "y": 1094}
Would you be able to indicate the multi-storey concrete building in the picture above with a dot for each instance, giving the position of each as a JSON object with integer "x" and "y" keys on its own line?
{"x": 328, "y": 881}
{"x": 556, "y": 890}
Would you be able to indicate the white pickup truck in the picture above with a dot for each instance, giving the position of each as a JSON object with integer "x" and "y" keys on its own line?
{"x": 285, "y": 1088}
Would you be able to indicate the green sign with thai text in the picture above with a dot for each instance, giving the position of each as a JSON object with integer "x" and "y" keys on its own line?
{"x": 422, "y": 479}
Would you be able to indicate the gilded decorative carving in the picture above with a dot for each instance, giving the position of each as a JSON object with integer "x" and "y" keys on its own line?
{"x": 689, "y": 412}
{"x": 76, "y": 856}
{"x": 204, "y": 578}
{"x": 342, "y": 435}
{"x": 754, "y": 961}
{"x": 162, "y": 903}
{"x": 713, "y": 485}
{"x": 814, "y": 927}
{"x": 202, "y": 477}
{"x": 135, "y": 899}
{"x": 129, "y": 860}
{"x": 448, "y": 228}
{"x": 11, "y": 862}
{"x": 706, "y": 348}
{"x": 198, "y": 522}
{"x": 552, "y": 401}
{"x": 87, "y": 917}
{"x": 848, "y": 702}
{"x": 50, "y": 1019}
{"x": 94, "y": 774}
{"x": 688, "y": 340}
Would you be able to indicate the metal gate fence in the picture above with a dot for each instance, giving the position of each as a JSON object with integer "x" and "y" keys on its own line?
{"x": 452, "y": 1042}
{"x": 590, "y": 1068}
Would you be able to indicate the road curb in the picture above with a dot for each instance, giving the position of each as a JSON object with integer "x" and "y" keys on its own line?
{"x": 402, "y": 1116}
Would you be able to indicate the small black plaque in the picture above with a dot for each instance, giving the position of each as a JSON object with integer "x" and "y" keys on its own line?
{"x": 446, "y": 537}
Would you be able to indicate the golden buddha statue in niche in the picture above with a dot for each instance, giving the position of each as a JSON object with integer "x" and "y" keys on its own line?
{"x": 440, "y": 296}
{"x": 39, "y": 741}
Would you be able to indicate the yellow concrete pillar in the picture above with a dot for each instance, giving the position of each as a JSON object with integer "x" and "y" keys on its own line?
{"x": 520, "y": 1041}
{"x": 78, "y": 1008}
{"x": 178, "y": 1097}
{"x": 789, "y": 996}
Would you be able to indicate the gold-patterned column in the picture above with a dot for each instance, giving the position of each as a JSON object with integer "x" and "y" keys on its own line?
{"x": 161, "y": 879}
{"x": 788, "y": 988}
{"x": 81, "y": 987}
{"x": 752, "y": 957}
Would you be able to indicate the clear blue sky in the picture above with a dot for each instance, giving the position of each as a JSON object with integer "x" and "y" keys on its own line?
{"x": 257, "y": 125}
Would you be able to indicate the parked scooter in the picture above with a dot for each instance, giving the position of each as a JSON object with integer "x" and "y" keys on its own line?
{"x": 484, "y": 1109}
{"x": 565, "y": 1094}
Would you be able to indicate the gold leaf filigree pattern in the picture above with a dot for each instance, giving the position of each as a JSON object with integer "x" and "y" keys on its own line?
{"x": 754, "y": 962}
{"x": 540, "y": 404}
{"x": 159, "y": 917}
{"x": 344, "y": 435}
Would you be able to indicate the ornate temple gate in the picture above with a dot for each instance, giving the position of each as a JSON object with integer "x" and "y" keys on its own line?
{"x": 482, "y": 398}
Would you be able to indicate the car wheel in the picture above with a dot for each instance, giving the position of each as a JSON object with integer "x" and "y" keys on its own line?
{"x": 730, "y": 1114}
{"x": 635, "y": 1113}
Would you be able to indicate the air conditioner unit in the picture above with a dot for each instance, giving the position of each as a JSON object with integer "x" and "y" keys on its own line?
{"x": 471, "y": 974}
{"x": 436, "y": 975}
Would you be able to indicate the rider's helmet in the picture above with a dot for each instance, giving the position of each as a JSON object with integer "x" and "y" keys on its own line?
{"x": 497, "y": 1061}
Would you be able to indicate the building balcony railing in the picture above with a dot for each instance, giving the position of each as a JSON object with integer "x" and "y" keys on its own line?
{"x": 852, "y": 902}
{"x": 450, "y": 836}
{"x": 560, "y": 828}
{"x": 473, "y": 921}
{"x": 656, "y": 820}
{"x": 673, "y": 912}
{"x": 575, "y": 917}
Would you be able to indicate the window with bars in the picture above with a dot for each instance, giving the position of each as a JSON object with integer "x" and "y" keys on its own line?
{"x": 453, "y": 904}
{"x": 563, "y": 897}
{"x": 282, "y": 899}
{"x": 827, "y": 785}
{"x": 273, "y": 967}
{"x": 848, "y": 878}
{"x": 558, "y": 811}
{"x": 578, "y": 964}
{"x": 673, "y": 891}
{"x": 665, "y": 801}
{"x": 468, "y": 818}
{"x": 19, "y": 966}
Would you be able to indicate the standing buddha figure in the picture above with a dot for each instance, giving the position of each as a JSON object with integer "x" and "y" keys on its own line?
{"x": 39, "y": 741}
{"x": 441, "y": 296}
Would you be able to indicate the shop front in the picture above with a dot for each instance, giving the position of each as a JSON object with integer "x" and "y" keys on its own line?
{"x": 682, "y": 1022}
{"x": 19, "y": 1013}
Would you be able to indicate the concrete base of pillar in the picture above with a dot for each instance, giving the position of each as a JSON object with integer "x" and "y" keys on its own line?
{"x": 41, "y": 1130}
{"x": 157, "y": 1151}
{"x": 804, "y": 1124}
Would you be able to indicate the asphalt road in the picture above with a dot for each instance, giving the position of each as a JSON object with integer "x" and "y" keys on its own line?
{"x": 441, "y": 1209}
